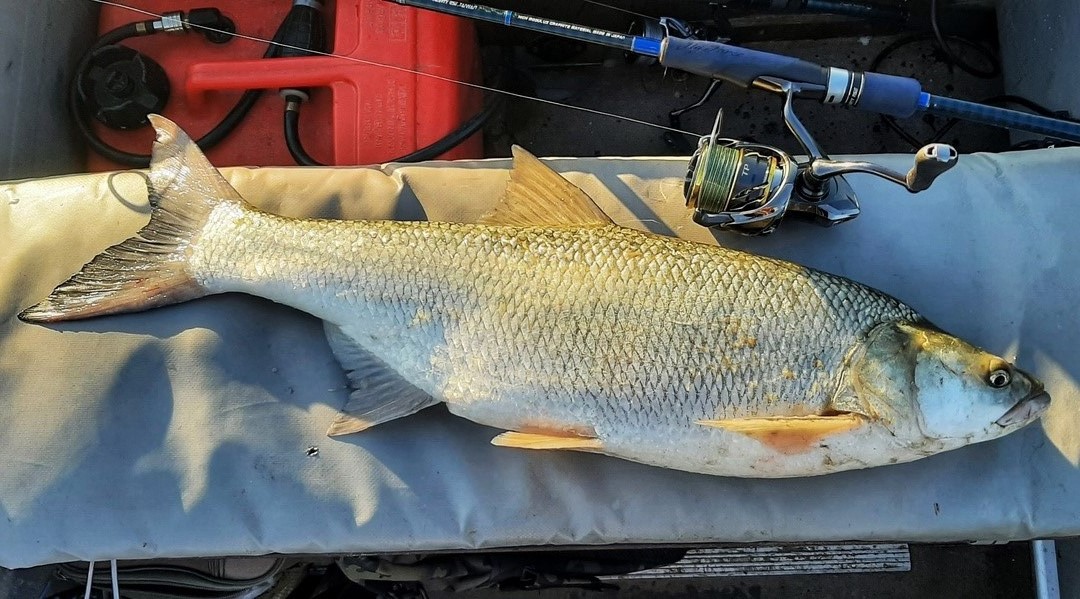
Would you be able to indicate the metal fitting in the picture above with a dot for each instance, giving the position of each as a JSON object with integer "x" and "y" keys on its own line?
{"x": 170, "y": 22}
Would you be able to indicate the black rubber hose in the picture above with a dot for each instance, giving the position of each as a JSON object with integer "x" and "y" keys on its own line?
{"x": 455, "y": 137}
{"x": 213, "y": 137}
{"x": 292, "y": 136}
{"x": 429, "y": 152}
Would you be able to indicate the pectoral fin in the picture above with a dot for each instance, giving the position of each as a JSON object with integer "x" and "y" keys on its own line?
{"x": 793, "y": 434}
{"x": 546, "y": 441}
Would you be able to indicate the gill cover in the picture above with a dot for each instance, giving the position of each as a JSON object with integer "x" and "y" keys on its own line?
{"x": 921, "y": 382}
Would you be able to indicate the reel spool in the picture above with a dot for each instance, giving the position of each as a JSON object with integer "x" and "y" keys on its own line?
{"x": 738, "y": 186}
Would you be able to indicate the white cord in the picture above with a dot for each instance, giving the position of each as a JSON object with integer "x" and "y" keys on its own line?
{"x": 115, "y": 579}
{"x": 89, "y": 580}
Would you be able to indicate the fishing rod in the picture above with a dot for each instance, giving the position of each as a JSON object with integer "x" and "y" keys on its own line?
{"x": 748, "y": 188}
{"x": 890, "y": 95}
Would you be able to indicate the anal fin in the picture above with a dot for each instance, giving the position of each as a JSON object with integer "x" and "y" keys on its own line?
{"x": 379, "y": 393}
{"x": 547, "y": 441}
{"x": 792, "y": 434}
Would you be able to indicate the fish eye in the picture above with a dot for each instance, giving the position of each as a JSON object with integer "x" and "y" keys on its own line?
{"x": 998, "y": 378}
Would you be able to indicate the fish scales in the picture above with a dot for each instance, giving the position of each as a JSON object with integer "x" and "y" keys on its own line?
{"x": 568, "y": 332}
{"x": 556, "y": 324}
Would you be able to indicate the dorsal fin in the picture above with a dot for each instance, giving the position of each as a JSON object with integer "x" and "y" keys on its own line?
{"x": 538, "y": 196}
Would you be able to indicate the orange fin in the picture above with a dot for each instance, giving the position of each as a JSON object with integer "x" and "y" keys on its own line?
{"x": 793, "y": 434}
{"x": 547, "y": 441}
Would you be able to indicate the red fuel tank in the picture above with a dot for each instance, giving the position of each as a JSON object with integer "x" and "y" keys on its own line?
{"x": 366, "y": 105}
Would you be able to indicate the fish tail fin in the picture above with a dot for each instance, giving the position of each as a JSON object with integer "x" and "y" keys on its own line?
{"x": 150, "y": 269}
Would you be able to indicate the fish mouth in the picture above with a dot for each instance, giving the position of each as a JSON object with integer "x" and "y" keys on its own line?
{"x": 1026, "y": 409}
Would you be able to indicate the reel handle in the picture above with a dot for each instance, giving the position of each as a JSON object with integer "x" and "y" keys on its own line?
{"x": 930, "y": 162}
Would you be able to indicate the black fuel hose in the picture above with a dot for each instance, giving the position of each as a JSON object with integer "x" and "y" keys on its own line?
{"x": 213, "y": 137}
{"x": 429, "y": 152}
{"x": 292, "y": 134}
{"x": 455, "y": 137}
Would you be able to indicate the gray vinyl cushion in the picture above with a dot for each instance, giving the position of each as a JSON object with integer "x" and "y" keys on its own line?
{"x": 185, "y": 431}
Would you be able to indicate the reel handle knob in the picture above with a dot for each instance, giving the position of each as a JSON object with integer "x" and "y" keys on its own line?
{"x": 930, "y": 162}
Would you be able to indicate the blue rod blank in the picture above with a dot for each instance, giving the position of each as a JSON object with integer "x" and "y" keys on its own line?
{"x": 1002, "y": 117}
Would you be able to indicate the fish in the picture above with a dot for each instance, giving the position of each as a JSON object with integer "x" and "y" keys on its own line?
{"x": 565, "y": 331}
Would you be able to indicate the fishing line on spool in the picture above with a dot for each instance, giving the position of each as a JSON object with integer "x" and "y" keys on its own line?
{"x": 712, "y": 177}
{"x": 414, "y": 72}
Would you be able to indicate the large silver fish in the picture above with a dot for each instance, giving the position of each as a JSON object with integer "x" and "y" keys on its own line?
{"x": 550, "y": 322}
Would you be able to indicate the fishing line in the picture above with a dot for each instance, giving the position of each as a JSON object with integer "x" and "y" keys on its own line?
{"x": 619, "y": 8}
{"x": 413, "y": 72}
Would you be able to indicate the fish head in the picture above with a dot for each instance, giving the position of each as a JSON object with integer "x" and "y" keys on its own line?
{"x": 929, "y": 387}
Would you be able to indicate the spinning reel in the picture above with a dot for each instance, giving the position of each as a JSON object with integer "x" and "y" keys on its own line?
{"x": 748, "y": 188}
